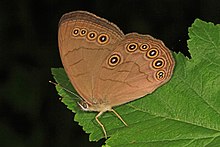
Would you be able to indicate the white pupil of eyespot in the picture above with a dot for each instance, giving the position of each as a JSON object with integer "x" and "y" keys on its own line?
{"x": 152, "y": 53}
{"x": 158, "y": 63}
{"x": 132, "y": 46}
{"x": 113, "y": 60}
{"x": 103, "y": 38}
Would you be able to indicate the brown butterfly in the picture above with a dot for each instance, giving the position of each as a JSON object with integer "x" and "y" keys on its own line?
{"x": 108, "y": 68}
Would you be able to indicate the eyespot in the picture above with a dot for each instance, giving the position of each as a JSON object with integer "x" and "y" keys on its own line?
{"x": 160, "y": 75}
{"x": 131, "y": 47}
{"x": 144, "y": 47}
{"x": 114, "y": 60}
{"x": 158, "y": 63}
{"x": 152, "y": 53}
{"x": 75, "y": 32}
{"x": 92, "y": 35}
{"x": 103, "y": 38}
{"x": 83, "y": 32}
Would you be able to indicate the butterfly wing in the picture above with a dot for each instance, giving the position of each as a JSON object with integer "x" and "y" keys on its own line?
{"x": 138, "y": 65}
{"x": 85, "y": 41}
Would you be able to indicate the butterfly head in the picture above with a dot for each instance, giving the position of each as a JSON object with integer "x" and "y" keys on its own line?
{"x": 99, "y": 107}
{"x": 84, "y": 105}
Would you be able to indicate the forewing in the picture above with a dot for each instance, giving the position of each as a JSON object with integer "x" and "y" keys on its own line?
{"x": 85, "y": 41}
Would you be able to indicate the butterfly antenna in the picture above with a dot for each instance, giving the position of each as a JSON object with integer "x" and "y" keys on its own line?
{"x": 67, "y": 90}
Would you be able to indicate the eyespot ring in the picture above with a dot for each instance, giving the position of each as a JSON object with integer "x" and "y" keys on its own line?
{"x": 91, "y": 35}
{"x": 83, "y": 32}
{"x": 131, "y": 47}
{"x": 114, "y": 60}
{"x": 160, "y": 75}
{"x": 103, "y": 39}
{"x": 158, "y": 63}
{"x": 152, "y": 53}
{"x": 144, "y": 47}
{"x": 75, "y": 32}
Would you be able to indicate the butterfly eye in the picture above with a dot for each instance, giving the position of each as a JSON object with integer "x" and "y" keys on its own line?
{"x": 83, "y": 32}
{"x": 103, "y": 38}
{"x": 91, "y": 35}
{"x": 152, "y": 53}
{"x": 114, "y": 60}
{"x": 144, "y": 47}
{"x": 132, "y": 47}
{"x": 158, "y": 63}
{"x": 160, "y": 75}
{"x": 83, "y": 105}
{"x": 75, "y": 32}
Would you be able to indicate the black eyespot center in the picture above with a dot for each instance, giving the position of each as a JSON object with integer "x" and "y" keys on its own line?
{"x": 144, "y": 47}
{"x": 103, "y": 38}
{"x": 152, "y": 53}
{"x": 114, "y": 60}
{"x": 158, "y": 63}
{"x": 83, "y": 32}
{"x": 75, "y": 32}
{"x": 91, "y": 35}
{"x": 160, "y": 75}
{"x": 132, "y": 47}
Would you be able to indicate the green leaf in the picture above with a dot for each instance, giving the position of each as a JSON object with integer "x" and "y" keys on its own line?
{"x": 183, "y": 112}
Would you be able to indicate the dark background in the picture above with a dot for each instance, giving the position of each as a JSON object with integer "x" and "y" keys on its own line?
{"x": 31, "y": 114}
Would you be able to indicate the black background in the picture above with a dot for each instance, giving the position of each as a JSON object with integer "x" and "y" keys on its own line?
{"x": 31, "y": 113}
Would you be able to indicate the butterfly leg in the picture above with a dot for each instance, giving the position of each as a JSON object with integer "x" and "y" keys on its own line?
{"x": 119, "y": 117}
{"x": 103, "y": 128}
